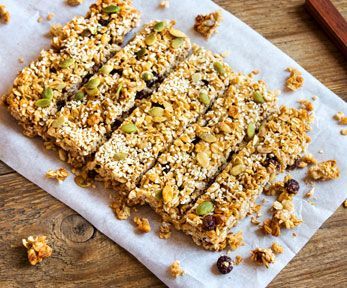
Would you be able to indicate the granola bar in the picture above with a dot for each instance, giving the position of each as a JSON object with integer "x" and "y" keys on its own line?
{"x": 42, "y": 88}
{"x": 149, "y": 130}
{"x": 279, "y": 143}
{"x": 184, "y": 171}
{"x": 137, "y": 70}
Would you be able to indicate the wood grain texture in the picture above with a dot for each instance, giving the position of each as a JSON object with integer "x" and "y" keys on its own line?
{"x": 83, "y": 257}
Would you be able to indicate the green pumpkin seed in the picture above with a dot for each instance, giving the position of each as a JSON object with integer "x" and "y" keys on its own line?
{"x": 47, "y": 94}
{"x": 147, "y": 76}
{"x": 129, "y": 128}
{"x": 141, "y": 53}
{"x": 219, "y": 68}
{"x": 59, "y": 122}
{"x": 204, "y": 98}
{"x": 67, "y": 63}
{"x": 111, "y": 9}
{"x": 258, "y": 98}
{"x": 177, "y": 33}
{"x": 120, "y": 156}
{"x": 250, "y": 130}
{"x": 92, "y": 83}
{"x": 177, "y": 43}
{"x": 237, "y": 170}
{"x": 159, "y": 195}
{"x": 160, "y": 26}
{"x": 156, "y": 112}
{"x": 119, "y": 89}
{"x": 106, "y": 69}
{"x": 204, "y": 208}
{"x": 92, "y": 92}
{"x": 208, "y": 137}
{"x": 151, "y": 39}
{"x": 79, "y": 96}
{"x": 43, "y": 103}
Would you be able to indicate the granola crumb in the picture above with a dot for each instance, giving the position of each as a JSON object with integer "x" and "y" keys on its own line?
{"x": 207, "y": 25}
{"x": 142, "y": 224}
{"x": 21, "y": 60}
{"x": 277, "y": 248}
{"x": 176, "y": 269}
{"x": 324, "y": 171}
{"x": 120, "y": 209}
{"x": 306, "y": 104}
{"x": 345, "y": 204}
{"x": 295, "y": 80}
{"x": 238, "y": 260}
{"x": 37, "y": 249}
{"x": 61, "y": 174}
{"x": 321, "y": 152}
{"x": 263, "y": 256}
{"x": 343, "y": 132}
{"x": 50, "y": 16}
{"x": 40, "y": 19}
{"x": 4, "y": 14}
{"x": 314, "y": 97}
{"x": 74, "y": 2}
{"x": 164, "y": 4}
{"x": 234, "y": 241}
{"x": 294, "y": 234}
{"x": 310, "y": 193}
{"x": 165, "y": 230}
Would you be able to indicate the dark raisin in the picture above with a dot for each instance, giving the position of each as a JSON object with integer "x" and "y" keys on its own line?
{"x": 60, "y": 104}
{"x": 143, "y": 93}
{"x": 205, "y": 82}
{"x": 272, "y": 160}
{"x": 166, "y": 168}
{"x": 117, "y": 71}
{"x": 224, "y": 264}
{"x": 53, "y": 70}
{"x": 292, "y": 186}
{"x": 104, "y": 22}
{"x": 209, "y": 222}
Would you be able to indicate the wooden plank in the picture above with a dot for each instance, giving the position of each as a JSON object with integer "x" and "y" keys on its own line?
{"x": 4, "y": 169}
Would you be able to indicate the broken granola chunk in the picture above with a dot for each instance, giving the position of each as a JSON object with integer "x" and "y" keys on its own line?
{"x": 324, "y": 171}
{"x": 142, "y": 224}
{"x": 37, "y": 249}
{"x": 263, "y": 256}
{"x": 4, "y": 15}
{"x": 207, "y": 25}
{"x": 165, "y": 230}
{"x": 176, "y": 269}
{"x": 295, "y": 80}
{"x": 307, "y": 105}
{"x": 74, "y": 2}
{"x": 120, "y": 209}
{"x": 61, "y": 174}
{"x": 235, "y": 240}
{"x": 277, "y": 248}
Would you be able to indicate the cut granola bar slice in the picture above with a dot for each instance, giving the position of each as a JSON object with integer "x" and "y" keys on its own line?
{"x": 156, "y": 123}
{"x": 280, "y": 142}
{"x": 184, "y": 171}
{"x": 134, "y": 72}
{"x": 42, "y": 88}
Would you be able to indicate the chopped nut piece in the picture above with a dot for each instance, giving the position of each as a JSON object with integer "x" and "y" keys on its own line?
{"x": 165, "y": 230}
{"x": 343, "y": 132}
{"x": 37, "y": 249}
{"x": 295, "y": 80}
{"x": 207, "y": 25}
{"x": 310, "y": 193}
{"x": 307, "y": 105}
{"x": 238, "y": 260}
{"x": 263, "y": 256}
{"x": 142, "y": 224}
{"x": 176, "y": 269}
{"x": 164, "y": 4}
{"x": 50, "y": 16}
{"x": 276, "y": 248}
{"x": 4, "y": 14}
{"x": 345, "y": 204}
{"x": 120, "y": 208}
{"x": 324, "y": 171}
{"x": 61, "y": 174}
{"x": 235, "y": 240}
{"x": 74, "y": 2}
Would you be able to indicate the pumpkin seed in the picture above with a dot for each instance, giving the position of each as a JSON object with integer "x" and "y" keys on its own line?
{"x": 177, "y": 43}
{"x": 151, "y": 39}
{"x": 156, "y": 112}
{"x": 160, "y": 26}
{"x": 106, "y": 69}
{"x": 79, "y": 96}
{"x": 47, "y": 94}
{"x": 250, "y": 130}
{"x": 111, "y": 9}
{"x": 204, "y": 208}
{"x": 219, "y": 68}
{"x": 147, "y": 76}
{"x": 92, "y": 83}
{"x": 67, "y": 63}
{"x": 203, "y": 159}
{"x": 119, "y": 89}
{"x": 59, "y": 122}
{"x": 177, "y": 33}
{"x": 43, "y": 103}
{"x": 129, "y": 128}
{"x": 225, "y": 127}
{"x": 196, "y": 77}
{"x": 92, "y": 92}
{"x": 208, "y": 137}
{"x": 258, "y": 98}
{"x": 204, "y": 98}
{"x": 141, "y": 53}
{"x": 237, "y": 170}
{"x": 120, "y": 156}
{"x": 158, "y": 195}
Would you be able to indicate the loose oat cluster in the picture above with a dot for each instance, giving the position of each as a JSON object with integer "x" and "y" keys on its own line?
{"x": 61, "y": 174}
{"x": 207, "y": 25}
{"x": 142, "y": 224}
{"x": 295, "y": 80}
{"x": 38, "y": 249}
{"x": 176, "y": 270}
{"x": 324, "y": 171}
{"x": 4, "y": 14}
{"x": 263, "y": 256}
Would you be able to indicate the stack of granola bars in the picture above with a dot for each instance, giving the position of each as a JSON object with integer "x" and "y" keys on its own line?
{"x": 161, "y": 121}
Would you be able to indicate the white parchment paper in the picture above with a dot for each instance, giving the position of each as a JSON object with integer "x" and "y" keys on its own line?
{"x": 25, "y": 37}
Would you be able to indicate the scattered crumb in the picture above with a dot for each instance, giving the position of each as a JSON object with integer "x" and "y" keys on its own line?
{"x": 142, "y": 224}
{"x": 307, "y": 105}
{"x": 294, "y": 234}
{"x": 120, "y": 209}
{"x": 310, "y": 193}
{"x": 263, "y": 256}
{"x": 61, "y": 174}
{"x": 50, "y": 16}
{"x": 234, "y": 241}
{"x": 4, "y": 14}
{"x": 164, "y": 4}
{"x": 345, "y": 204}
{"x": 341, "y": 118}
{"x": 74, "y": 2}
{"x": 307, "y": 159}
{"x": 21, "y": 60}
{"x": 314, "y": 97}
{"x": 295, "y": 80}
{"x": 238, "y": 260}
{"x": 321, "y": 152}
{"x": 165, "y": 230}
{"x": 40, "y": 19}
{"x": 37, "y": 249}
{"x": 277, "y": 248}
{"x": 343, "y": 132}
{"x": 324, "y": 171}
{"x": 207, "y": 25}
{"x": 176, "y": 269}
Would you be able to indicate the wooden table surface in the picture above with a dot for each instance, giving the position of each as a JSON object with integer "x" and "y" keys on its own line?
{"x": 83, "y": 257}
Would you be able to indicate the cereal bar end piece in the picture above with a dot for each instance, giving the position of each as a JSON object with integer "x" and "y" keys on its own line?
{"x": 207, "y": 25}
